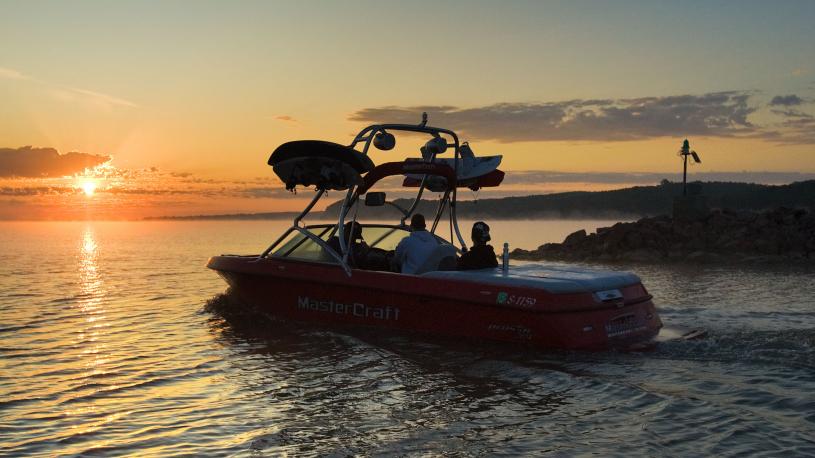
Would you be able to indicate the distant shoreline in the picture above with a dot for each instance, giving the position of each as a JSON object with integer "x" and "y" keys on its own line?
{"x": 622, "y": 204}
{"x": 227, "y": 217}
{"x": 319, "y": 217}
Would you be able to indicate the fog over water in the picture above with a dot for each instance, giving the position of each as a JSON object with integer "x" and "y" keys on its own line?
{"x": 115, "y": 340}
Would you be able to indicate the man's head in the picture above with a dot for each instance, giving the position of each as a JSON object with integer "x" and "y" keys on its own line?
{"x": 353, "y": 229}
{"x": 480, "y": 233}
{"x": 417, "y": 222}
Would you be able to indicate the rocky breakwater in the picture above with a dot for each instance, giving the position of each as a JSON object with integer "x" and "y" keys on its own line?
{"x": 781, "y": 234}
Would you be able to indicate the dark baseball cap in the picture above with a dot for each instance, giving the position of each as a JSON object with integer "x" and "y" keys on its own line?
{"x": 481, "y": 232}
{"x": 417, "y": 221}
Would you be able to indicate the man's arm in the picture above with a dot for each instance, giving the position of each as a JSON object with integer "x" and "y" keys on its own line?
{"x": 399, "y": 255}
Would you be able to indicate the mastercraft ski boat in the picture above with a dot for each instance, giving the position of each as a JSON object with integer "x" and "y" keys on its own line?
{"x": 309, "y": 274}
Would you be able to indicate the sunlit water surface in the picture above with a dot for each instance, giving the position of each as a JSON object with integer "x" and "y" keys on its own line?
{"x": 107, "y": 348}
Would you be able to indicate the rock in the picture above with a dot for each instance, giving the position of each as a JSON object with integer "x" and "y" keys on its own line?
{"x": 633, "y": 239}
{"x": 606, "y": 257}
{"x": 718, "y": 221}
{"x": 725, "y": 241}
{"x": 759, "y": 259}
{"x": 796, "y": 255}
{"x": 745, "y": 216}
{"x": 703, "y": 257}
{"x": 781, "y": 234}
{"x": 574, "y": 237}
{"x": 640, "y": 255}
{"x": 616, "y": 235}
{"x": 696, "y": 244}
{"x": 519, "y": 253}
{"x": 766, "y": 246}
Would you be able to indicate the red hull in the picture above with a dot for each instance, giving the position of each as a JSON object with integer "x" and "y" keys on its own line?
{"x": 319, "y": 292}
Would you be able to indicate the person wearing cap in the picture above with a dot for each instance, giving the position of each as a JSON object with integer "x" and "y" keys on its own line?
{"x": 481, "y": 255}
{"x": 358, "y": 249}
{"x": 415, "y": 249}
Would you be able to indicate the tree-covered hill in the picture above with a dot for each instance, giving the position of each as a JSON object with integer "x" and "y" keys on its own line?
{"x": 632, "y": 202}
{"x": 629, "y": 203}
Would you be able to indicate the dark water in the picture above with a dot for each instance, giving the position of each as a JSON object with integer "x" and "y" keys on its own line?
{"x": 114, "y": 340}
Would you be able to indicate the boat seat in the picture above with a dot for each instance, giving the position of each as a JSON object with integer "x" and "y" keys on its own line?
{"x": 443, "y": 257}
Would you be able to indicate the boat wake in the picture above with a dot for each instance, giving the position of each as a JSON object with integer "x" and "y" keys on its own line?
{"x": 788, "y": 347}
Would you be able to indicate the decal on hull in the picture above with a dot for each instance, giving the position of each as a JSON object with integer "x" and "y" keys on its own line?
{"x": 355, "y": 309}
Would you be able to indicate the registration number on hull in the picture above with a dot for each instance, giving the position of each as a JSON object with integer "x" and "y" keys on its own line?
{"x": 512, "y": 299}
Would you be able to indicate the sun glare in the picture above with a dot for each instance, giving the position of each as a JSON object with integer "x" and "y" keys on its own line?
{"x": 88, "y": 187}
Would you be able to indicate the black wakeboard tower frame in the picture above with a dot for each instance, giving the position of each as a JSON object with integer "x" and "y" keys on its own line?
{"x": 427, "y": 167}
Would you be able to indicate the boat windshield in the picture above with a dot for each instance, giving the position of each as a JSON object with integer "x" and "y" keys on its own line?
{"x": 299, "y": 246}
{"x": 385, "y": 238}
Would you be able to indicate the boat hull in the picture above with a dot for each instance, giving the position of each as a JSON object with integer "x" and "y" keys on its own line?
{"x": 323, "y": 293}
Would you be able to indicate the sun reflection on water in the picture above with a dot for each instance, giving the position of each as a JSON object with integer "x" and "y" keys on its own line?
{"x": 90, "y": 301}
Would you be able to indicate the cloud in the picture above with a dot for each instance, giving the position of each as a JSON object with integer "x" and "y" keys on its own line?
{"x": 285, "y": 118}
{"x": 792, "y": 113}
{"x": 722, "y": 114}
{"x": 538, "y": 177}
{"x": 102, "y": 98}
{"x": 11, "y": 74}
{"x": 264, "y": 192}
{"x": 801, "y": 131}
{"x": 30, "y": 191}
{"x": 67, "y": 92}
{"x": 39, "y": 162}
{"x": 786, "y": 100}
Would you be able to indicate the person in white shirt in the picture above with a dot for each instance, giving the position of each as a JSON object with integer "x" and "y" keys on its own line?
{"x": 415, "y": 249}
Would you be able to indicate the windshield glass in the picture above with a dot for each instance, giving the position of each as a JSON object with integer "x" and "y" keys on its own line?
{"x": 385, "y": 238}
{"x": 299, "y": 246}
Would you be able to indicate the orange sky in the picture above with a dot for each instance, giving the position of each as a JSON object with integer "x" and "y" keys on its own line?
{"x": 188, "y": 99}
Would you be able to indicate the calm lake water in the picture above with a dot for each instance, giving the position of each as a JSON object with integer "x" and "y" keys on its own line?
{"x": 107, "y": 347}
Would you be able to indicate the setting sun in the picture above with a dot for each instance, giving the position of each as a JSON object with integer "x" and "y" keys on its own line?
{"x": 88, "y": 187}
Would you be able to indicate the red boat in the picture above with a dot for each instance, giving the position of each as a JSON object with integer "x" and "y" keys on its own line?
{"x": 309, "y": 273}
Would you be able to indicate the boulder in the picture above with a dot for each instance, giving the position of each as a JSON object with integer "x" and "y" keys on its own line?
{"x": 574, "y": 237}
{"x": 641, "y": 255}
{"x": 719, "y": 236}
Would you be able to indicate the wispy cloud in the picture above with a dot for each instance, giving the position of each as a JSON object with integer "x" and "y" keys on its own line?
{"x": 792, "y": 113}
{"x": 11, "y": 74}
{"x": 103, "y": 98}
{"x": 66, "y": 92}
{"x": 285, "y": 118}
